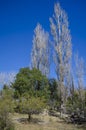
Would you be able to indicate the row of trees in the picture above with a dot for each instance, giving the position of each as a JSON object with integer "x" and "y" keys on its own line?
{"x": 31, "y": 93}
{"x": 61, "y": 48}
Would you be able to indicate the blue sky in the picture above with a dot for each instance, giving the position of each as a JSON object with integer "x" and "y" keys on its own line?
{"x": 18, "y": 18}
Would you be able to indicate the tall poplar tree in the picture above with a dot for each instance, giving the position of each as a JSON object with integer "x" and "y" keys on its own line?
{"x": 62, "y": 46}
{"x": 40, "y": 50}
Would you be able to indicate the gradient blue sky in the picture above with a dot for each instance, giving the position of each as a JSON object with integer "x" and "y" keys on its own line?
{"x": 18, "y": 18}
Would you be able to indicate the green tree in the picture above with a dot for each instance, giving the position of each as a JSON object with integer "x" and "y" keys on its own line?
{"x": 30, "y": 89}
{"x": 31, "y": 81}
{"x": 31, "y": 105}
{"x": 54, "y": 96}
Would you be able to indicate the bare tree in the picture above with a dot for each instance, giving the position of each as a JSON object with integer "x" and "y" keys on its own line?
{"x": 70, "y": 86}
{"x": 62, "y": 46}
{"x": 11, "y": 77}
{"x": 80, "y": 73}
{"x": 2, "y": 79}
{"x": 7, "y": 78}
{"x": 40, "y": 50}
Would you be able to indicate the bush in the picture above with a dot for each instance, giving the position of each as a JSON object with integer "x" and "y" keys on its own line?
{"x": 5, "y": 121}
{"x": 6, "y": 106}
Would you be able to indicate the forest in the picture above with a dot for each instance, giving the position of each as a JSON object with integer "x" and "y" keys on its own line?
{"x": 33, "y": 93}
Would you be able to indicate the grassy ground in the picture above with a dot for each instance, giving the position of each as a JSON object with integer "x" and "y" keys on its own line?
{"x": 42, "y": 122}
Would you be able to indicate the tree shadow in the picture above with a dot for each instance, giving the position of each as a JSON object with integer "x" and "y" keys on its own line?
{"x": 83, "y": 127}
{"x": 79, "y": 127}
{"x": 33, "y": 120}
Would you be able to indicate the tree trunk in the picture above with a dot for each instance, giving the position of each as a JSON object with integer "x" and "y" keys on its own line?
{"x": 61, "y": 99}
{"x": 29, "y": 117}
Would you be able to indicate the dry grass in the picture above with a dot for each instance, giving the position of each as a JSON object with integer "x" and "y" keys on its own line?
{"x": 42, "y": 122}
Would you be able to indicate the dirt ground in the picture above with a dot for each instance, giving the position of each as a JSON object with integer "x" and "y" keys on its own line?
{"x": 42, "y": 122}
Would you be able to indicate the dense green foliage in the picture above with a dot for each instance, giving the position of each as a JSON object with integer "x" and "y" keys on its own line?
{"x": 54, "y": 100}
{"x": 31, "y": 81}
{"x": 74, "y": 103}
